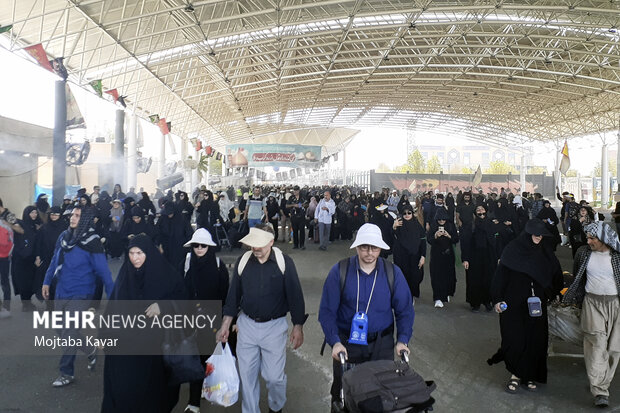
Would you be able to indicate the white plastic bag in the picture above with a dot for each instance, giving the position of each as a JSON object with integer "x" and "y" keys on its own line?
{"x": 221, "y": 384}
{"x": 564, "y": 323}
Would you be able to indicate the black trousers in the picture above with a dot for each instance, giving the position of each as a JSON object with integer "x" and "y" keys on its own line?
{"x": 380, "y": 349}
{"x": 195, "y": 387}
{"x": 299, "y": 231}
{"x": 5, "y": 282}
{"x": 274, "y": 224}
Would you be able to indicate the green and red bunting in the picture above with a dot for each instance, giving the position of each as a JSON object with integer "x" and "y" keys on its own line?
{"x": 4, "y": 29}
{"x": 97, "y": 87}
{"x": 163, "y": 126}
{"x": 37, "y": 51}
{"x": 114, "y": 94}
{"x": 154, "y": 118}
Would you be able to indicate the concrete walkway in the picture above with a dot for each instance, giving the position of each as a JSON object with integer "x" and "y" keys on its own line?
{"x": 450, "y": 346}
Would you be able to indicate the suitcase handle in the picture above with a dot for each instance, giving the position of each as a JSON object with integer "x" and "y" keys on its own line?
{"x": 404, "y": 355}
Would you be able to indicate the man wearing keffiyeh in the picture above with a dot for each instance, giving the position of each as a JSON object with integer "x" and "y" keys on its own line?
{"x": 78, "y": 261}
{"x": 596, "y": 287}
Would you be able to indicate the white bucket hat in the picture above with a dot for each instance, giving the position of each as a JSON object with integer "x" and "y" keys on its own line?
{"x": 381, "y": 207}
{"x": 369, "y": 234}
{"x": 257, "y": 238}
{"x": 200, "y": 236}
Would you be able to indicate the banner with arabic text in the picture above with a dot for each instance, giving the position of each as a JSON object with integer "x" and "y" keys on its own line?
{"x": 258, "y": 155}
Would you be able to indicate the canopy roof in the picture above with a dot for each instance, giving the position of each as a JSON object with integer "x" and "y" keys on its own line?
{"x": 501, "y": 72}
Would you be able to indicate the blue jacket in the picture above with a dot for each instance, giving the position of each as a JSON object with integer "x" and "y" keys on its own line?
{"x": 78, "y": 273}
{"x": 335, "y": 315}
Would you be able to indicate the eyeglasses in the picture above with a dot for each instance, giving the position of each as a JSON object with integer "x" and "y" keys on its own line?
{"x": 366, "y": 247}
{"x": 200, "y": 246}
{"x": 408, "y": 213}
{"x": 481, "y": 214}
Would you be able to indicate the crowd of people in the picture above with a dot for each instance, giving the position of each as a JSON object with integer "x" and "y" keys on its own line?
{"x": 506, "y": 244}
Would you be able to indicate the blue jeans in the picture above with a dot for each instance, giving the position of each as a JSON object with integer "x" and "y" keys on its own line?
{"x": 68, "y": 356}
{"x": 324, "y": 234}
{"x": 253, "y": 222}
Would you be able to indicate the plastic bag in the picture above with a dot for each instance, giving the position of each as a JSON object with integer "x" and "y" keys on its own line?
{"x": 564, "y": 323}
{"x": 221, "y": 384}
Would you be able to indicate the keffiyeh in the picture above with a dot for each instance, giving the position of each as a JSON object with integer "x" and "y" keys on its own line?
{"x": 604, "y": 233}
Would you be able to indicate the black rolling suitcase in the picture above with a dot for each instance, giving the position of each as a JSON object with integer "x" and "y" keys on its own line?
{"x": 384, "y": 386}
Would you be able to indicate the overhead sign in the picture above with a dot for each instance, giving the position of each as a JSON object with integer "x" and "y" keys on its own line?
{"x": 258, "y": 155}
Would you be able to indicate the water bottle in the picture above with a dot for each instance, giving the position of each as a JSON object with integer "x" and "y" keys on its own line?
{"x": 503, "y": 306}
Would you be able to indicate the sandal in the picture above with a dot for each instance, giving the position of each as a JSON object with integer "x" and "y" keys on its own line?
{"x": 531, "y": 386}
{"x": 513, "y": 385}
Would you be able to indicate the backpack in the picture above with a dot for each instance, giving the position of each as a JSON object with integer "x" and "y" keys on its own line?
{"x": 6, "y": 239}
{"x": 246, "y": 257}
{"x": 188, "y": 258}
{"x": 386, "y": 386}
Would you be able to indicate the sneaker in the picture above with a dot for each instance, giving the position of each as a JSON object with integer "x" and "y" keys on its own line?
{"x": 63, "y": 380}
{"x": 192, "y": 409}
{"x": 92, "y": 360}
{"x": 601, "y": 401}
{"x": 438, "y": 304}
{"x": 4, "y": 313}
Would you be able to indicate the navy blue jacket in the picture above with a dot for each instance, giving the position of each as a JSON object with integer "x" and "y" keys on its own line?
{"x": 335, "y": 315}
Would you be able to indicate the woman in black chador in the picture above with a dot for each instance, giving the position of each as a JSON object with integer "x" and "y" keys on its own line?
{"x": 46, "y": 243}
{"x": 442, "y": 235}
{"x": 479, "y": 253}
{"x": 527, "y": 268}
{"x": 23, "y": 259}
{"x": 410, "y": 249}
{"x": 550, "y": 218}
{"x": 139, "y": 384}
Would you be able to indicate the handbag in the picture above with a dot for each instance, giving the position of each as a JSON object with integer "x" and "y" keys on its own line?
{"x": 534, "y": 306}
{"x": 181, "y": 357}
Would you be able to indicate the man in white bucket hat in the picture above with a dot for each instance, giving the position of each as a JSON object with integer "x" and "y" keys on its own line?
{"x": 263, "y": 289}
{"x": 365, "y": 293}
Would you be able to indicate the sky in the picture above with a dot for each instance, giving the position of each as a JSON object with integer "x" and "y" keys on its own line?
{"x": 28, "y": 95}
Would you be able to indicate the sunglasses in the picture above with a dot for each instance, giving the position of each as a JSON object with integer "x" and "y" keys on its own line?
{"x": 408, "y": 213}
{"x": 200, "y": 246}
{"x": 481, "y": 214}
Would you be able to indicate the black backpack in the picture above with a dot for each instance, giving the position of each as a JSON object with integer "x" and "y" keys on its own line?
{"x": 386, "y": 386}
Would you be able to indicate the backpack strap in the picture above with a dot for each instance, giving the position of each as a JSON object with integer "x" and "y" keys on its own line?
{"x": 389, "y": 270}
{"x": 188, "y": 258}
{"x": 217, "y": 262}
{"x": 279, "y": 260}
{"x": 243, "y": 262}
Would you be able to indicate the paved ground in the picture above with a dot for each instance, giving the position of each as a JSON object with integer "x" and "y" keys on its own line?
{"x": 450, "y": 346}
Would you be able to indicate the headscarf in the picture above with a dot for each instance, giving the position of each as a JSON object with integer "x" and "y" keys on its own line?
{"x": 136, "y": 211}
{"x": 155, "y": 280}
{"x": 84, "y": 235}
{"x": 42, "y": 204}
{"x": 518, "y": 201}
{"x": 502, "y": 213}
{"x": 116, "y": 213}
{"x": 411, "y": 233}
{"x": 523, "y": 255}
{"x": 27, "y": 221}
{"x": 604, "y": 233}
{"x": 312, "y": 206}
{"x": 225, "y": 205}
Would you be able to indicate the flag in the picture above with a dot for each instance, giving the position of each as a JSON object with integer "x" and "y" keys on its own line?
{"x": 74, "y": 116}
{"x": 4, "y": 29}
{"x": 198, "y": 145}
{"x": 59, "y": 67}
{"x": 114, "y": 94}
{"x": 121, "y": 100}
{"x": 218, "y": 156}
{"x": 154, "y": 118}
{"x": 37, "y": 51}
{"x": 413, "y": 188}
{"x": 163, "y": 126}
{"x": 209, "y": 151}
{"x": 169, "y": 125}
{"x": 477, "y": 177}
{"x": 97, "y": 86}
{"x": 565, "y": 163}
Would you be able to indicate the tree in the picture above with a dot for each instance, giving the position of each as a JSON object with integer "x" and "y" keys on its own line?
{"x": 415, "y": 162}
{"x": 383, "y": 168}
{"x": 536, "y": 170}
{"x": 467, "y": 170}
{"x": 571, "y": 173}
{"x": 433, "y": 166}
{"x": 613, "y": 170}
{"x": 500, "y": 168}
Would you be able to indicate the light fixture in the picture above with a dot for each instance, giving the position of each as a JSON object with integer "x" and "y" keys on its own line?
{"x": 26, "y": 155}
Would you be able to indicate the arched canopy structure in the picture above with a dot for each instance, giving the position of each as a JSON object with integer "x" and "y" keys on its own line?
{"x": 501, "y": 72}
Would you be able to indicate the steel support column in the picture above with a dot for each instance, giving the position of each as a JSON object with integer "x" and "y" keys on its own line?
{"x": 59, "y": 169}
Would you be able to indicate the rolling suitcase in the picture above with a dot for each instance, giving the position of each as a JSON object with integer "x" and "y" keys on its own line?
{"x": 384, "y": 386}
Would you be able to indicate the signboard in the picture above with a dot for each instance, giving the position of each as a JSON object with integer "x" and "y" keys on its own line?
{"x": 259, "y": 155}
